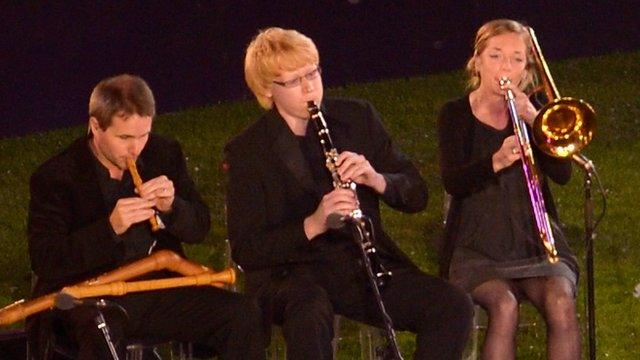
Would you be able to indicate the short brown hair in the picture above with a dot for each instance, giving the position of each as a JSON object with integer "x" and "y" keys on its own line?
{"x": 272, "y": 51}
{"x": 495, "y": 28}
{"x": 121, "y": 93}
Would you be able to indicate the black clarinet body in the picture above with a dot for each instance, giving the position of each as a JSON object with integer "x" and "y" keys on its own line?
{"x": 356, "y": 217}
{"x": 362, "y": 228}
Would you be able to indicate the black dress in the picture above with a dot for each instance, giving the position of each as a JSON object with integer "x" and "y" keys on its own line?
{"x": 496, "y": 235}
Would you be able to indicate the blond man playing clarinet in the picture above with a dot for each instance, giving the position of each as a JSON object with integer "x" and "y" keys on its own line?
{"x": 281, "y": 195}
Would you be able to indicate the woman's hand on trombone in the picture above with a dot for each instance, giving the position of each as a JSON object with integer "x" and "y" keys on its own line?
{"x": 508, "y": 153}
{"x": 525, "y": 109}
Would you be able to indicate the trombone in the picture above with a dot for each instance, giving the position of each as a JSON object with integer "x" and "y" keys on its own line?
{"x": 565, "y": 125}
{"x": 562, "y": 128}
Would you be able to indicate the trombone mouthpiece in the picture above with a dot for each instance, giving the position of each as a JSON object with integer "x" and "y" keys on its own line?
{"x": 504, "y": 81}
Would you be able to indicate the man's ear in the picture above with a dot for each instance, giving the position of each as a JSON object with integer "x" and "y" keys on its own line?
{"x": 94, "y": 126}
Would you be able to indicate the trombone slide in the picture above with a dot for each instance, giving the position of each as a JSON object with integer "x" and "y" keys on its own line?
{"x": 540, "y": 214}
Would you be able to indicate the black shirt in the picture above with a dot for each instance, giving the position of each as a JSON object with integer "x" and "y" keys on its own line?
{"x": 138, "y": 240}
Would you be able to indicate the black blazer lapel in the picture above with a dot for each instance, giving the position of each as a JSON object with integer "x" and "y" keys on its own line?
{"x": 340, "y": 129}
{"x": 87, "y": 186}
{"x": 287, "y": 151}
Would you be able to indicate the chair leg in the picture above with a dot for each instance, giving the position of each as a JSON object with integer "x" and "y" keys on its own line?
{"x": 135, "y": 351}
{"x": 140, "y": 351}
{"x": 367, "y": 350}
{"x": 277, "y": 348}
{"x": 336, "y": 335}
{"x": 479, "y": 322}
{"x": 182, "y": 351}
{"x": 371, "y": 338}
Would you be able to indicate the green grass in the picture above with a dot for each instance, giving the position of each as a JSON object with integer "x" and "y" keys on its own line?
{"x": 409, "y": 106}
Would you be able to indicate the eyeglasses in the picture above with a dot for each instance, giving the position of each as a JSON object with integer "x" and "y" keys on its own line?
{"x": 311, "y": 75}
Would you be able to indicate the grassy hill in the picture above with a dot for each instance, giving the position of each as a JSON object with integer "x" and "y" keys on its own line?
{"x": 409, "y": 106}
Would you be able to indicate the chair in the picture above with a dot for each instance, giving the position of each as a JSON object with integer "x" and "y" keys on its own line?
{"x": 137, "y": 349}
{"x": 145, "y": 350}
{"x": 480, "y": 322}
{"x": 141, "y": 350}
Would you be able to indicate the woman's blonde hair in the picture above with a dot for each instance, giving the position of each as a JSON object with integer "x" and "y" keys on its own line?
{"x": 495, "y": 28}
{"x": 272, "y": 51}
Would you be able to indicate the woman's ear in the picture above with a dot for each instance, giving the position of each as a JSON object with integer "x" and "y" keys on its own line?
{"x": 524, "y": 75}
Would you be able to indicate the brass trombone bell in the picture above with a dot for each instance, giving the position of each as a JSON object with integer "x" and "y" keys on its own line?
{"x": 564, "y": 127}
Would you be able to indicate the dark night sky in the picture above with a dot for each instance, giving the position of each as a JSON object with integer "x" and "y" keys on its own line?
{"x": 192, "y": 54}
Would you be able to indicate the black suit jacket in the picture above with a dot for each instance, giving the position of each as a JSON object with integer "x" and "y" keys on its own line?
{"x": 271, "y": 189}
{"x": 70, "y": 238}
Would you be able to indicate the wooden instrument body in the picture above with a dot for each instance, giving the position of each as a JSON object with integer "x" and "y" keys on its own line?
{"x": 114, "y": 283}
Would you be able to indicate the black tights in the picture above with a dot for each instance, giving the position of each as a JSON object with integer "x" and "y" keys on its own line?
{"x": 552, "y": 296}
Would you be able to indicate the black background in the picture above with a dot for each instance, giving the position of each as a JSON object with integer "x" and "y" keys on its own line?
{"x": 192, "y": 53}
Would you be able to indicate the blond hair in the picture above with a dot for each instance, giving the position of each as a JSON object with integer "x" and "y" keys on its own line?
{"x": 495, "y": 28}
{"x": 271, "y": 52}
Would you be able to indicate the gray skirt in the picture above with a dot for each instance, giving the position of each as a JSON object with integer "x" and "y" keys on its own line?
{"x": 469, "y": 270}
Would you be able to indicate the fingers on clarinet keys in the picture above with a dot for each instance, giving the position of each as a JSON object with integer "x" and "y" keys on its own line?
{"x": 335, "y": 221}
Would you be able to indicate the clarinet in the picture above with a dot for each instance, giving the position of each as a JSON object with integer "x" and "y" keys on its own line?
{"x": 362, "y": 230}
